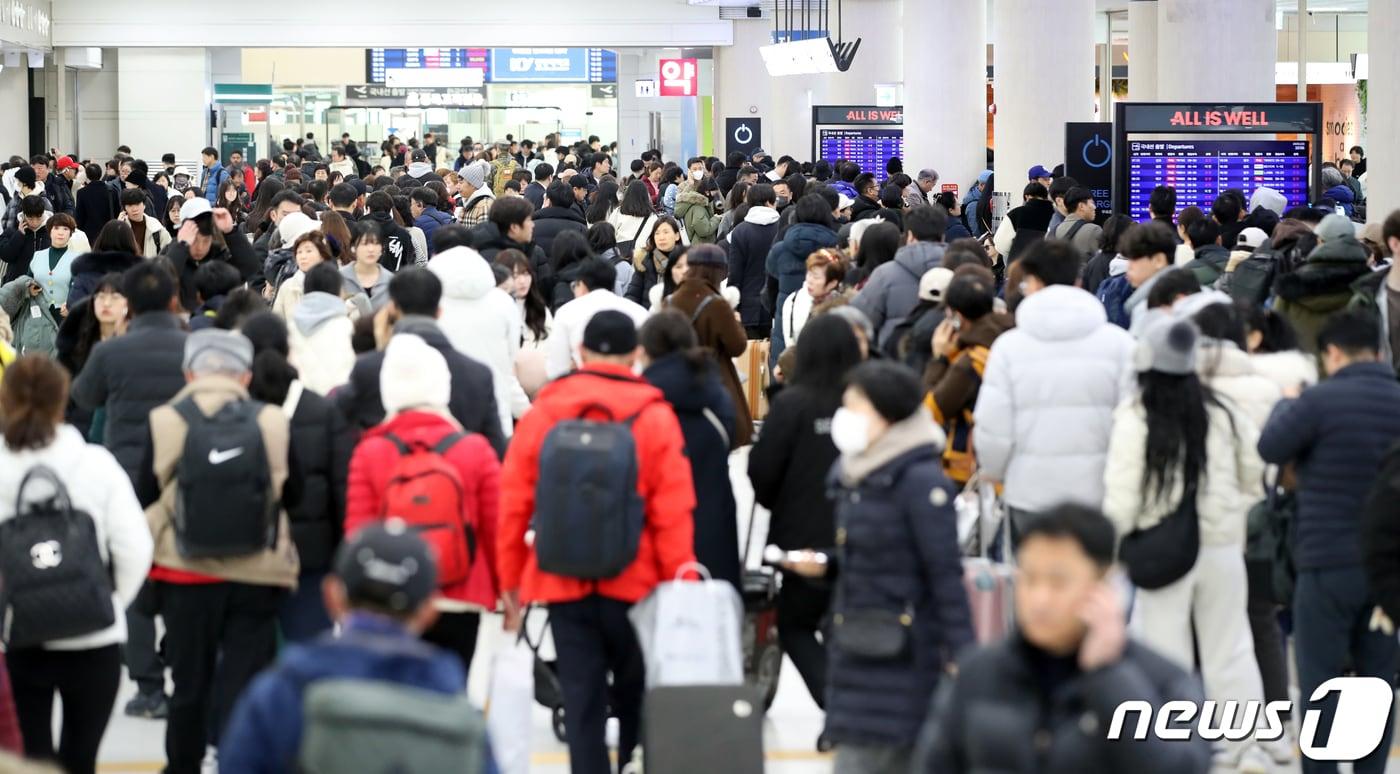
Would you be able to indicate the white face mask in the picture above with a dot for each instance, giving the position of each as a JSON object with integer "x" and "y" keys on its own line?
{"x": 697, "y": 174}
{"x": 850, "y": 432}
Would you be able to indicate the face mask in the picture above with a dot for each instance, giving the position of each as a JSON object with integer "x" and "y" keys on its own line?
{"x": 850, "y": 432}
{"x": 782, "y": 202}
{"x": 697, "y": 174}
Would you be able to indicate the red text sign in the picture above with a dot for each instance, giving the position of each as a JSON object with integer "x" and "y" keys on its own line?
{"x": 679, "y": 78}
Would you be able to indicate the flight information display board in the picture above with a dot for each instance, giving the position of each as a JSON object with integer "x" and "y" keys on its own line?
{"x": 501, "y": 65}
{"x": 1201, "y": 170}
{"x": 870, "y": 148}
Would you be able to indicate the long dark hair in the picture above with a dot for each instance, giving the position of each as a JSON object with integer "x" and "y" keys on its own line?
{"x": 116, "y": 237}
{"x": 828, "y": 351}
{"x": 262, "y": 203}
{"x": 569, "y": 248}
{"x": 637, "y": 201}
{"x": 878, "y": 245}
{"x": 272, "y": 374}
{"x": 603, "y": 202}
{"x": 536, "y": 311}
{"x": 83, "y": 316}
{"x": 984, "y": 207}
{"x": 1177, "y": 425}
{"x": 669, "y": 333}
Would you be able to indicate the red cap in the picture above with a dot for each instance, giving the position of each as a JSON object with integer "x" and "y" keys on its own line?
{"x": 66, "y": 163}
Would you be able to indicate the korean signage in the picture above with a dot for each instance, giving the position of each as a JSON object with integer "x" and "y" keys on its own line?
{"x": 552, "y": 65}
{"x": 679, "y": 78}
{"x": 375, "y": 95}
{"x": 857, "y": 115}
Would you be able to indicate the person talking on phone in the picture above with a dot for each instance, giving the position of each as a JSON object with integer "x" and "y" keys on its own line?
{"x": 1071, "y": 658}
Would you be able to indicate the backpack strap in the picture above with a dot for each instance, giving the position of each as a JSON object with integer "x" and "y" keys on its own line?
{"x": 448, "y": 441}
{"x": 399, "y": 443}
{"x": 695, "y": 315}
{"x": 1075, "y": 230}
{"x": 189, "y": 411}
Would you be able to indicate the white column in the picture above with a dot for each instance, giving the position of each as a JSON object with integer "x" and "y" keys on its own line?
{"x": 945, "y": 116}
{"x": 1383, "y": 111}
{"x": 1192, "y": 35}
{"x": 64, "y": 139}
{"x": 1302, "y": 50}
{"x": 164, "y": 97}
{"x": 14, "y": 105}
{"x": 1044, "y": 69}
{"x": 1142, "y": 51}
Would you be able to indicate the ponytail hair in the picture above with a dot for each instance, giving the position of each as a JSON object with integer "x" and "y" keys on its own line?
{"x": 272, "y": 374}
{"x": 32, "y": 399}
{"x": 670, "y": 332}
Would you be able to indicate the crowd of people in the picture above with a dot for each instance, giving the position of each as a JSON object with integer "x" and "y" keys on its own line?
{"x": 318, "y": 414}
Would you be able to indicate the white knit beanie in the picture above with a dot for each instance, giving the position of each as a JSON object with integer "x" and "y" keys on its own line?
{"x": 414, "y": 376}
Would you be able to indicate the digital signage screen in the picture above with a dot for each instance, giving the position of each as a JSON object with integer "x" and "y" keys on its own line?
{"x": 870, "y": 148}
{"x": 1201, "y": 170}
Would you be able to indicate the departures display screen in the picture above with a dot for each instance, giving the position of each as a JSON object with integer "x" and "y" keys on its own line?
{"x": 1201, "y": 170}
{"x": 870, "y": 148}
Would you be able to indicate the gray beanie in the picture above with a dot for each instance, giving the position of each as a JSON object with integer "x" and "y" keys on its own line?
{"x": 1334, "y": 227}
{"x": 213, "y": 350}
{"x": 475, "y": 174}
{"x": 1169, "y": 346}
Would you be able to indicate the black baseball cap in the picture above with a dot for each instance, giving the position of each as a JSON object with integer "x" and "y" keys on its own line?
{"x": 610, "y": 332}
{"x": 387, "y": 566}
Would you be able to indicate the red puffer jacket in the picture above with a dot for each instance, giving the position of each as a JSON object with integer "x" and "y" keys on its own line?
{"x": 663, "y": 480}
{"x": 476, "y": 463}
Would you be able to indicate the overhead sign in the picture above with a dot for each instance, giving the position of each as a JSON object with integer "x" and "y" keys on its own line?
{"x": 680, "y": 77}
{"x": 1089, "y": 159}
{"x": 645, "y": 88}
{"x": 465, "y": 77}
{"x": 1271, "y": 117}
{"x": 858, "y": 115}
{"x": 604, "y": 91}
{"x": 243, "y": 93}
{"x": 375, "y": 95}
{"x": 241, "y": 142}
{"x": 743, "y": 135}
{"x": 552, "y": 65}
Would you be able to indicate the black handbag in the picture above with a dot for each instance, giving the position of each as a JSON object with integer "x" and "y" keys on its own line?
{"x": 878, "y": 635}
{"x": 53, "y": 581}
{"x": 1163, "y": 553}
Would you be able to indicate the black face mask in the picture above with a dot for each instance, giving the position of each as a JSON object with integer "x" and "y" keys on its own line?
{"x": 783, "y": 201}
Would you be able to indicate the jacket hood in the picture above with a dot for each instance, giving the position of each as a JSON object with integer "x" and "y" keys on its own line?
{"x": 435, "y": 214}
{"x": 1341, "y": 194}
{"x": 1119, "y": 265}
{"x": 920, "y": 256}
{"x": 1060, "y": 313}
{"x": 986, "y": 330}
{"x": 807, "y": 238}
{"x": 465, "y": 275}
{"x": 902, "y": 438}
{"x": 1269, "y": 199}
{"x": 348, "y": 273}
{"x": 1214, "y": 255}
{"x": 104, "y": 262}
{"x": 760, "y": 216}
{"x": 416, "y": 424}
{"x": 688, "y": 391}
{"x": 559, "y": 213}
{"x": 420, "y": 169}
{"x": 1223, "y": 359}
{"x": 1330, "y": 269}
{"x": 487, "y": 235}
{"x": 315, "y": 309}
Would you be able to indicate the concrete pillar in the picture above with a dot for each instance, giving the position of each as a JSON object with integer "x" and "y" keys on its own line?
{"x": 1302, "y": 50}
{"x": 1142, "y": 51}
{"x": 14, "y": 105}
{"x": 164, "y": 95}
{"x": 64, "y": 138}
{"x": 1191, "y": 36}
{"x": 945, "y": 116}
{"x": 1044, "y": 68}
{"x": 1383, "y": 111}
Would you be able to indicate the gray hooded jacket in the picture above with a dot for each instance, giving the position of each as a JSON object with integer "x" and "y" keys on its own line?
{"x": 893, "y": 290}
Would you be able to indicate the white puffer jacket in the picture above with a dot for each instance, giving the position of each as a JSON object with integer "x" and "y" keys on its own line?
{"x": 318, "y": 334}
{"x": 1045, "y": 410}
{"x": 97, "y": 485}
{"x": 483, "y": 323}
{"x": 1231, "y": 483}
{"x": 1232, "y": 375}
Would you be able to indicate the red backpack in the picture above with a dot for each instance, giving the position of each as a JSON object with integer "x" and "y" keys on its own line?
{"x": 426, "y": 491}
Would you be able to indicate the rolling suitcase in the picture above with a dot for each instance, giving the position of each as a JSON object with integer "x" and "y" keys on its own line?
{"x": 703, "y": 729}
{"x": 763, "y": 653}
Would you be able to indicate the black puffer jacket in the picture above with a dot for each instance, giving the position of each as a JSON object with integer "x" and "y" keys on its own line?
{"x": 238, "y": 252}
{"x": 706, "y": 414}
{"x": 473, "y": 397}
{"x": 89, "y": 268}
{"x": 748, "y": 245}
{"x": 788, "y": 466}
{"x": 322, "y": 442}
{"x": 398, "y": 243}
{"x": 489, "y": 241}
{"x": 995, "y": 715}
{"x": 552, "y": 221}
{"x": 130, "y": 375}
{"x": 96, "y": 204}
{"x": 897, "y": 553}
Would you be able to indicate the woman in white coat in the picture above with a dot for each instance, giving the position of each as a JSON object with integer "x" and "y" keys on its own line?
{"x": 320, "y": 331}
{"x": 83, "y": 670}
{"x": 482, "y": 322}
{"x": 1172, "y": 439}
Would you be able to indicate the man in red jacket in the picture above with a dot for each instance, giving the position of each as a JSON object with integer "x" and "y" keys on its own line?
{"x": 592, "y": 634}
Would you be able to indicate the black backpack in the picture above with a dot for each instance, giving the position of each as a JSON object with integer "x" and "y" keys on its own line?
{"x": 53, "y": 581}
{"x": 224, "y": 505}
{"x": 588, "y": 513}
